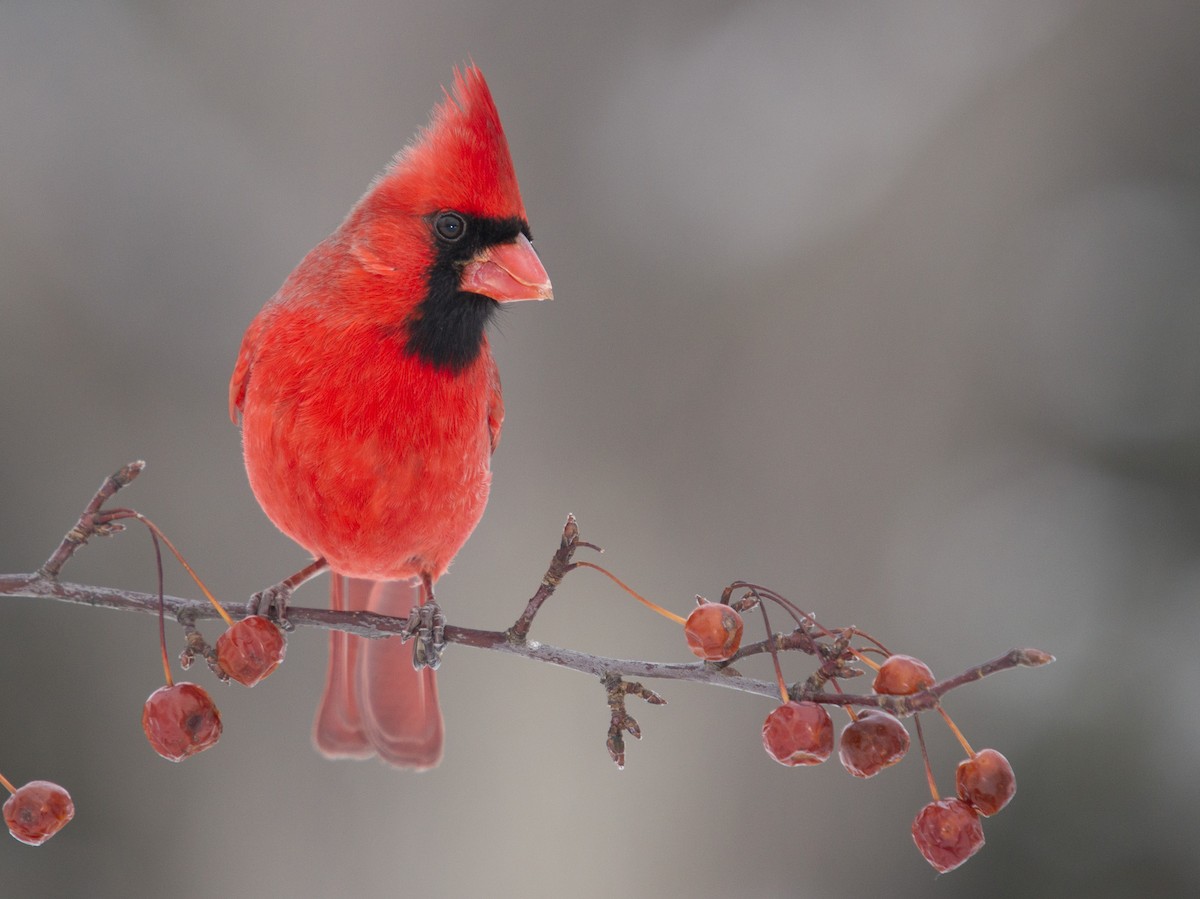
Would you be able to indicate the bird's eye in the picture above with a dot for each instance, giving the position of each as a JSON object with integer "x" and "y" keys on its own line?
{"x": 450, "y": 226}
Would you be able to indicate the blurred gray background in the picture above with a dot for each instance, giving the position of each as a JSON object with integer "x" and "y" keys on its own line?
{"x": 891, "y": 306}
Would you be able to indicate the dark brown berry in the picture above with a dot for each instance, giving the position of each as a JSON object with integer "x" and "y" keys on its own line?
{"x": 948, "y": 833}
{"x": 37, "y": 811}
{"x": 986, "y": 781}
{"x": 798, "y": 733}
{"x": 873, "y": 741}
{"x": 180, "y": 721}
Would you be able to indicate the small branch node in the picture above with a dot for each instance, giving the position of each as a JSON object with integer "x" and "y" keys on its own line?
{"x": 91, "y": 522}
{"x": 198, "y": 646}
{"x": 620, "y": 721}
{"x": 1031, "y": 658}
{"x": 560, "y": 564}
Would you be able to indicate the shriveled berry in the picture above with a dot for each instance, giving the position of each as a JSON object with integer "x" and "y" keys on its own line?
{"x": 180, "y": 721}
{"x": 798, "y": 733}
{"x": 902, "y": 676}
{"x": 37, "y": 811}
{"x": 986, "y": 781}
{"x": 251, "y": 649}
{"x": 713, "y": 631}
{"x": 948, "y": 833}
{"x": 873, "y": 741}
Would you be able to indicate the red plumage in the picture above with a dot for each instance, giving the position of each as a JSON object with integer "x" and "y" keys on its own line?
{"x": 370, "y": 402}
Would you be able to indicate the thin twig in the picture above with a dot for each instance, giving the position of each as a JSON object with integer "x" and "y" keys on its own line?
{"x": 560, "y": 564}
{"x": 87, "y": 525}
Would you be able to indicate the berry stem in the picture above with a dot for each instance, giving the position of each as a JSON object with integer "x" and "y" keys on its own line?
{"x": 849, "y": 708}
{"x": 7, "y": 785}
{"x": 774, "y": 650}
{"x": 883, "y": 650}
{"x": 954, "y": 730}
{"x": 799, "y": 615}
{"x": 925, "y": 756}
{"x": 154, "y": 529}
{"x": 760, "y": 593}
{"x": 870, "y": 663}
{"x": 162, "y": 612}
{"x": 620, "y": 583}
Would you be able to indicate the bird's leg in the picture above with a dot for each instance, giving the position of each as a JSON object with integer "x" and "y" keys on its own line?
{"x": 273, "y": 601}
{"x": 427, "y": 623}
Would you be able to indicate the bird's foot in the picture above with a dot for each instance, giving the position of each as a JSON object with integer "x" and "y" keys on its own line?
{"x": 428, "y": 625}
{"x": 273, "y": 601}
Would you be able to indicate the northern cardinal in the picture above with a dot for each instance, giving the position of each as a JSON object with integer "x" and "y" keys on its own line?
{"x": 370, "y": 405}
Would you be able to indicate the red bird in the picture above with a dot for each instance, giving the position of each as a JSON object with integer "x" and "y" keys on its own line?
{"x": 370, "y": 407}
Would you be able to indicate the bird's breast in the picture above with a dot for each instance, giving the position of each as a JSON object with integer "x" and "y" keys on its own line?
{"x": 365, "y": 455}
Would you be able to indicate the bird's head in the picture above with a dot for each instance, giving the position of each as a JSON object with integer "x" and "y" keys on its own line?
{"x": 447, "y": 219}
{"x": 455, "y": 190}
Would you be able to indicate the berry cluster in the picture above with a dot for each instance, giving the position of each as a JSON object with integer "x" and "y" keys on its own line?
{"x": 801, "y": 732}
{"x": 948, "y": 831}
{"x": 181, "y": 719}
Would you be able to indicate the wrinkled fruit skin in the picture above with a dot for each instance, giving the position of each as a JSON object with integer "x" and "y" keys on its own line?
{"x": 902, "y": 676}
{"x": 948, "y": 833}
{"x": 37, "y": 811}
{"x": 986, "y": 781}
{"x": 713, "y": 631}
{"x": 251, "y": 649}
{"x": 180, "y": 721}
{"x": 798, "y": 733}
{"x": 872, "y": 742}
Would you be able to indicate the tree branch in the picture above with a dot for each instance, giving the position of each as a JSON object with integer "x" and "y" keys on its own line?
{"x": 368, "y": 624}
{"x": 830, "y": 647}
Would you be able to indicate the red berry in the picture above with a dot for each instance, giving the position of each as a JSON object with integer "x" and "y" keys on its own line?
{"x": 948, "y": 833}
{"x": 180, "y": 721}
{"x": 251, "y": 649}
{"x": 798, "y": 733}
{"x": 873, "y": 741}
{"x": 986, "y": 781}
{"x": 903, "y": 676}
{"x": 37, "y": 811}
{"x": 713, "y": 631}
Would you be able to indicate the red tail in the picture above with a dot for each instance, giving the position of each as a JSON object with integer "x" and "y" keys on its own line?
{"x": 375, "y": 703}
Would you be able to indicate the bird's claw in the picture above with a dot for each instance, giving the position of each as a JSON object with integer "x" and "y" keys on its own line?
{"x": 428, "y": 625}
{"x": 273, "y": 603}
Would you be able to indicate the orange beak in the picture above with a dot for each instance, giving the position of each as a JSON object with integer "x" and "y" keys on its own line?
{"x": 508, "y": 272}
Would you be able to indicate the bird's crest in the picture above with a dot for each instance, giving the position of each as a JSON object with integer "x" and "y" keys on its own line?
{"x": 460, "y": 160}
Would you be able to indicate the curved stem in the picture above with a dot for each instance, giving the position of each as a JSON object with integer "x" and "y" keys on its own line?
{"x": 162, "y": 612}
{"x": 620, "y": 583}
{"x": 870, "y": 663}
{"x": 774, "y": 649}
{"x": 186, "y": 567}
